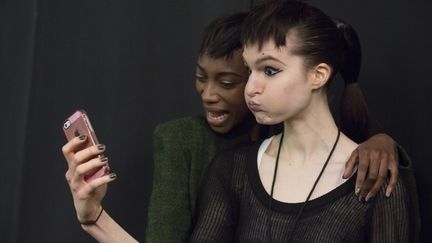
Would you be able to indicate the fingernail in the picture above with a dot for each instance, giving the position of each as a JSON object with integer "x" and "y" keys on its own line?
{"x": 113, "y": 175}
{"x": 368, "y": 198}
{"x": 82, "y": 137}
{"x": 357, "y": 190}
{"x": 388, "y": 194}
{"x": 104, "y": 159}
{"x": 101, "y": 147}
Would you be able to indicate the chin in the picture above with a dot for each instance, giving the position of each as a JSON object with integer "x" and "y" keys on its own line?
{"x": 221, "y": 130}
{"x": 264, "y": 120}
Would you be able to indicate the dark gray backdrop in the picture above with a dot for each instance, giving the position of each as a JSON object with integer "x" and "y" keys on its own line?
{"x": 130, "y": 64}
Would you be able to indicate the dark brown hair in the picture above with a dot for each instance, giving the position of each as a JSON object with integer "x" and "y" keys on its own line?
{"x": 319, "y": 40}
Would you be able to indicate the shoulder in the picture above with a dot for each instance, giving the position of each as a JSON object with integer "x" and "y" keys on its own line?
{"x": 185, "y": 128}
{"x": 182, "y": 124}
{"x": 405, "y": 162}
{"x": 241, "y": 153}
{"x": 405, "y": 187}
{"x": 235, "y": 160}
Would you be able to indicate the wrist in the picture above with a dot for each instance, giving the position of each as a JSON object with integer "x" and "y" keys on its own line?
{"x": 90, "y": 222}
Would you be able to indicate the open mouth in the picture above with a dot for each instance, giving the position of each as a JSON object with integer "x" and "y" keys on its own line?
{"x": 216, "y": 118}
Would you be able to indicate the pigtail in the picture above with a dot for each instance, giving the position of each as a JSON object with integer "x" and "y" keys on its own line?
{"x": 354, "y": 115}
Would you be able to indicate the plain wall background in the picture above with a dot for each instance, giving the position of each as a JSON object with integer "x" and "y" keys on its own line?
{"x": 130, "y": 64}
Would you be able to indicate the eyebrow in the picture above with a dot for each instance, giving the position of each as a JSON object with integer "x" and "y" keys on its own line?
{"x": 221, "y": 73}
{"x": 268, "y": 58}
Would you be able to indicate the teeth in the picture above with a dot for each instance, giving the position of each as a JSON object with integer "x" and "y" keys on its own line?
{"x": 218, "y": 115}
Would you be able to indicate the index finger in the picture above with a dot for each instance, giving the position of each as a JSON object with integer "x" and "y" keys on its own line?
{"x": 362, "y": 170}
{"x": 349, "y": 166}
{"x": 71, "y": 147}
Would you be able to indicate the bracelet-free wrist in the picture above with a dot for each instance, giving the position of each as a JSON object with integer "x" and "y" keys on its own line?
{"x": 90, "y": 222}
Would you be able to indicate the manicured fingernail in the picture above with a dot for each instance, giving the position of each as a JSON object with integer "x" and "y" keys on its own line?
{"x": 82, "y": 137}
{"x": 388, "y": 194}
{"x": 357, "y": 190}
{"x": 368, "y": 198}
{"x": 104, "y": 159}
{"x": 101, "y": 147}
{"x": 113, "y": 175}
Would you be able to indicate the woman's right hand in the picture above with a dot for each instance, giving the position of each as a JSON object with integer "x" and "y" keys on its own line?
{"x": 87, "y": 195}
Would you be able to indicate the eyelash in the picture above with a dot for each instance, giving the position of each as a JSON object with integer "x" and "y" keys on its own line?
{"x": 200, "y": 78}
{"x": 225, "y": 85}
{"x": 271, "y": 71}
{"x": 266, "y": 69}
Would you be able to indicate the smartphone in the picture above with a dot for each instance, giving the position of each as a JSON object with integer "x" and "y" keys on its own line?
{"x": 79, "y": 124}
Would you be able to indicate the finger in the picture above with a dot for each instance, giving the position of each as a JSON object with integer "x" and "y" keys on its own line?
{"x": 393, "y": 179}
{"x": 372, "y": 174}
{"x": 349, "y": 166}
{"x": 88, "y": 153}
{"x": 72, "y": 146}
{"x": 362, "y": 172}
{"x": 382, "y": 176}
{"x": 68, "y": 176}
{"x": 90, "y": 187}
{"x": 85, "y": 168}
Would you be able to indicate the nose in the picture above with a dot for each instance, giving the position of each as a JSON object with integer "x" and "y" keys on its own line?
{"x": 209, "y": 93}
{"x": 253, "y": 86}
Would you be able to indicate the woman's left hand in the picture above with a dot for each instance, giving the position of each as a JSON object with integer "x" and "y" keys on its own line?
{"x": 375, "y": 157}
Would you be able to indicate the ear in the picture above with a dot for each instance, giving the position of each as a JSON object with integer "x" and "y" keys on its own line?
{"x": 320, "y": 75}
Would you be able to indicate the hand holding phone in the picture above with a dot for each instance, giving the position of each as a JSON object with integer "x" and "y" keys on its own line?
{"x": 79, "y": 124}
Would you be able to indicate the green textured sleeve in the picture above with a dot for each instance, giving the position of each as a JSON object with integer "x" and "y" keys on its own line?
{"x": 169, "y": 214}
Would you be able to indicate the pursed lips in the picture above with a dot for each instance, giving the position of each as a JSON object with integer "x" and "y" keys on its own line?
{"x": 254, "y": 106}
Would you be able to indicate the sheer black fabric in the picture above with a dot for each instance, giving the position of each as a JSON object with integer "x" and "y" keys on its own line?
{"x": 233, "y": 207}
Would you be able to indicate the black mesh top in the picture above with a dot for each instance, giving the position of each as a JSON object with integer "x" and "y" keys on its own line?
{"x": 233, "y": 207}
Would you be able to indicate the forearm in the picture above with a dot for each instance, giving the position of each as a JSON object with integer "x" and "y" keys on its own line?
{"x": 106, "y": 230}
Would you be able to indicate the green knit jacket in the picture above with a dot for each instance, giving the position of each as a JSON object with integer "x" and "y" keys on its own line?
{"x": 183, "y": 149}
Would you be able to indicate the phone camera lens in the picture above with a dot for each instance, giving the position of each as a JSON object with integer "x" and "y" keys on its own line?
{"x": 66, "y": 125}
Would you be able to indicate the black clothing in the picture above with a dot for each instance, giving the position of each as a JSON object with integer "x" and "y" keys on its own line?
{"x": 233, "y": 207}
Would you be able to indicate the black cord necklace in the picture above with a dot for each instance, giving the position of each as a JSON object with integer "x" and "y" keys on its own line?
{"x": 308, "y": 197}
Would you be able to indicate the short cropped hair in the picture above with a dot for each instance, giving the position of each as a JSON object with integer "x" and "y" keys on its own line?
{"x": 221, "y": 38}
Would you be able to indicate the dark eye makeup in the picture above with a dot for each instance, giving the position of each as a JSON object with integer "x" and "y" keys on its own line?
{"x": 271, "y": 71}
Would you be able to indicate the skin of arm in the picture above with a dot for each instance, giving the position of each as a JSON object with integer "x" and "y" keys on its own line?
{"x": 88, "y": 195}
{"x": 106, "y": 230}
{"x": 374, "y": 157}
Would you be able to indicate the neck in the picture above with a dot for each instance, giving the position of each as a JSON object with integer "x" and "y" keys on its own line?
{"x": 312, "y": 133}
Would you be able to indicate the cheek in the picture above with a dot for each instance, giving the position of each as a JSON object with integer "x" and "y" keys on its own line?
{"x": 236, "y": 97}
{"x": 237, "y": 104}
{"x": 296, "y": 97}
{"x": 198, "y": 87}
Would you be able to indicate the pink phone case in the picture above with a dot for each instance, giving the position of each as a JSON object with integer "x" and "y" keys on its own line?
{"x": 79, "y": 124}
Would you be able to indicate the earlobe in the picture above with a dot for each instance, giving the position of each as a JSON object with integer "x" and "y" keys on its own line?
{"x": 320, "y": 75}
